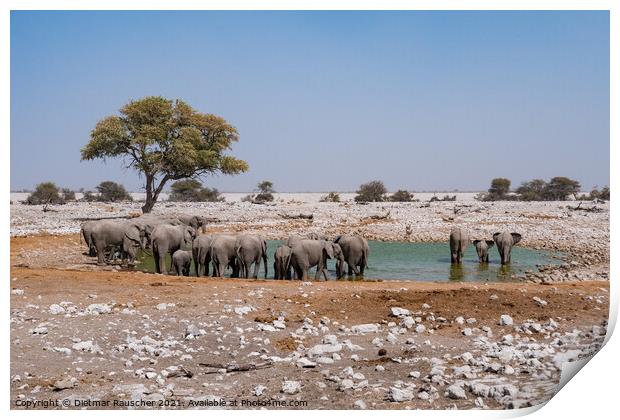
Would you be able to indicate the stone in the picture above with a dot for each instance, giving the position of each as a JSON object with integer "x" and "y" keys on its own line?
{"x": 420, "y": 328}
{"x": 365, "y": 328}
{"x": 540, "y": 301}
{"x": 398, "y": 312}
{"x": 346, "y": 384}
{"x": 407, "y": 322}
{"x": 279, "y": 324}
{"x": 414, "y": 374}
{"x": 242, "y": 310}
{"x": 467, "y": 332}
{"x": 505, "y": 320}
{"x": 56, "y": 309}
{"x": 456, "y": 392}
{"x": 64, "y": 384}
{"x": 360, "y": 404}
{"x": 291, "y": 387}
{"x": 193, "y": 331}
{"x": 305, "y": 363}
{"x": 400, "y": 395}
{"x": 98, "y": 309}
{"x": 259, "y": 390}
{"x": 321, "y": 349}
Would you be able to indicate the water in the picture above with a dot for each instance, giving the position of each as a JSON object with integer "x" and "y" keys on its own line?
{"x": 419, "y": 261}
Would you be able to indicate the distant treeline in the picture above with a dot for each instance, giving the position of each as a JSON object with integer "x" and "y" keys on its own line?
{"x": 559, "y": 188}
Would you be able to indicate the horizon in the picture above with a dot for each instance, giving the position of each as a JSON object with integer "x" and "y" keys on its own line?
{"x": 416, "y": 99}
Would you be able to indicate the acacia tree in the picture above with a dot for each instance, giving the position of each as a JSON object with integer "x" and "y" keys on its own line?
{"x": 165, "y": 140}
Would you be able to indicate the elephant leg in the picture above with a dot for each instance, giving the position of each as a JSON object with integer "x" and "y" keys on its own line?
{"x": 256, "y": 268}
{"x": 276, "y": 271}
{"x": 349, "y": 269}
{"x": 100, "y": 253}
{"x": 221, "y": 269}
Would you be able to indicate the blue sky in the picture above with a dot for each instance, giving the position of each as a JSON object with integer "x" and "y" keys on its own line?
{"x": 325, "y": 100}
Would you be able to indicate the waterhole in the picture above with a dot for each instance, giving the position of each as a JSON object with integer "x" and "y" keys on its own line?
{"x": 416, "y": 261}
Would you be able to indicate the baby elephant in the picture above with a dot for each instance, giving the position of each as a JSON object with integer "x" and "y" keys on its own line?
{"x": 181, "y": 262}
{"x": 482, "y": 248}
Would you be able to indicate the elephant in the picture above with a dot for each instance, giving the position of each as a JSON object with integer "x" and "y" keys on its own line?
{"x": 250, "y": 249}
{"x": 167, "y": 239}
{"x": 505, "y": 241}
{"x": 201, "y": 251}
{"x": 194, "y": 221}
{"x": 85, "y": 232}
{"x": 355, "y": 251}
{"x": 295, "y": 238}
{"x": 482, "y": 249}
{"x": 282, "y": 263}
{"x": 124, "y": 235}
{"x": 181, "y": 262}
{"x": 459, "y": 241}
{"x": 311, "y": 252}
{"x": 223, "y": 255}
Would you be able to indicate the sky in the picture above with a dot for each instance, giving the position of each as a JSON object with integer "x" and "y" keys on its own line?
{"x": 324, "y": 101}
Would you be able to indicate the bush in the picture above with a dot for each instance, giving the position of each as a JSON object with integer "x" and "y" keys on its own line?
{"x": 401, "y": 196}
{"x": 499, "y": 188}
{"x": 373, "y": 191}
{"x": 112, "y": 192}
{"x": 332, "y": 197}
{"x": 445, "y": 198}
{"x": 88, "y": 196}
{"x": 560, "y": 188}
{"x": 192, "y": 190}
{"x": 532, "y": 190}
{"x": 265, "y": 194}
{"x": 68, "y": 195}
{"x": 45, "y": 193}
{"x": 595, "y": 194}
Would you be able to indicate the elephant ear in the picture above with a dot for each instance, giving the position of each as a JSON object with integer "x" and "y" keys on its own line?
{"x": 477, "y": 241}
{"x": 329, "y": 249}
{"x": 496, "y": 235}
{"x": 490, "y": 243}
{"x": 516, "y": 237}
{"x": 133, "y": 233}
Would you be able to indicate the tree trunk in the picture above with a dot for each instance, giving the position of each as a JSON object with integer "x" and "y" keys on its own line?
{"x": 153, "y": 194}
{"x": 149, "y": 202}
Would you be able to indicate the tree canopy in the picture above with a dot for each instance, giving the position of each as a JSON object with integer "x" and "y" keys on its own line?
{"x": 165, "y": 140}
{"x": 371, "y": 191}
{"x": 192, "y": 190}
{"x": 110, "y": 191}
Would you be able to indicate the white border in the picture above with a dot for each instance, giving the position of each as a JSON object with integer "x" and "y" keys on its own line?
{"x": 592, "y": 394}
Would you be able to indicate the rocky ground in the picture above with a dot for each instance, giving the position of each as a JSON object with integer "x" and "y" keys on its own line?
{"x": 90, "y": 337}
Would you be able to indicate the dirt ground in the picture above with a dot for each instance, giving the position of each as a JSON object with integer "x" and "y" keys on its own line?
{"x": 109, "y": 338}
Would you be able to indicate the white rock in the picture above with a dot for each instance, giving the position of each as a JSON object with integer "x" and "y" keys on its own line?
{"x": 56, "y": 309}
{"x": 456, "y": 392}
{"x": 505, "y": 320}
{"x": 400, "y": 312}
{"x": 365, "y": 328}
{"x": 291, "y": 387}
{"x": 360, "y": 404}
{"x": 259, "y": 389}
{"x": 420, "y": 328}
{"x": 242, "y": 310}
{"x": 540, "y": 301}
{"x": 98, "y": 308}
{"x": 400, "y": 395}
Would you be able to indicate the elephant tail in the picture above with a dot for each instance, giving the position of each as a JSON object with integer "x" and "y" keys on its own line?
{"x": 240, "y": 262}
{"x": 264, "y": 249}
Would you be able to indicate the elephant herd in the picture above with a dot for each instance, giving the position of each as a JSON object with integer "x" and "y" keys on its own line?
{"x": 242, "y": 253}
{"x": 460, "y": 240}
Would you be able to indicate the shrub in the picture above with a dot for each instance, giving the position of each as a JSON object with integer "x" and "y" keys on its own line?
{"x": 371, "y": 191}
{"x": 112, "y": 192}
{"x": 45, "y": 193}
{"x": 560, "y": 188}
{"x": 265, "y": 194}
{"x": 401, "y": 196}
{"x": 532, "y": 190}
{"x": 68, "y": 195}
{"x": 332, "y": 197}
{"x": 88, "y": 196}
{"x": 192, "y": 190}
{"x": 499, "y": 188}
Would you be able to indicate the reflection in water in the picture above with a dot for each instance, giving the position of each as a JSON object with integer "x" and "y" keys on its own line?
{"x": 420, "y": 261}
{"x": 456, "y": 272}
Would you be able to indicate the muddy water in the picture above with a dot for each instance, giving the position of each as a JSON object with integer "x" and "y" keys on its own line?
{"x": 420, "y": 261}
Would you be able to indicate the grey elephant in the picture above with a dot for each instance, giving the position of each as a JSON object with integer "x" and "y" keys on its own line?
{"x": 295, "y": 238}
{"x": 181, "y": 262}
{"x": 482, "y": 249}
{"x": 355, "y": 252}
{"x": 86, "y": 229}
{"x": 201, "y": 252}
{"x": 125, "y": 236}
{"x": 505, "y": 241}
{"x": 308, "y": 253}
{"x": 459, "y": 241}
{"x": 194, "y": 221}
{"x": 166, "y": 239}
{"x": 250, "y": 249}
{"x": 282, "y": 263}
{"x": 223, "y": 255}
